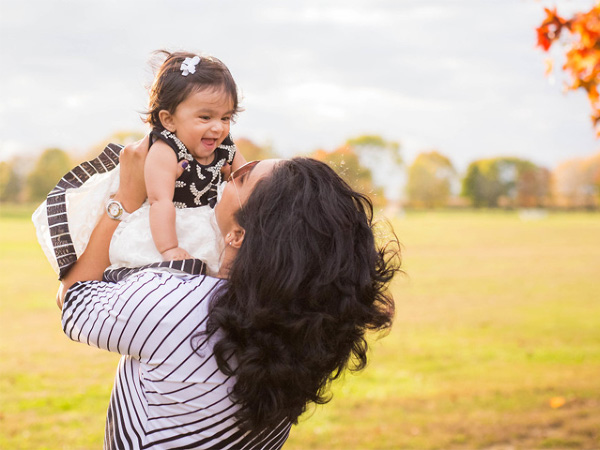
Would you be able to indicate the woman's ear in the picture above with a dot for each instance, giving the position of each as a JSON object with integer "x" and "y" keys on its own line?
{"x": 166, "y": 119}
{"x": 236, "y": 236}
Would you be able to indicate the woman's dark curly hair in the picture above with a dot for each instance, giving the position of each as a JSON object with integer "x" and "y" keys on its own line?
{"x": 307, "y": 283}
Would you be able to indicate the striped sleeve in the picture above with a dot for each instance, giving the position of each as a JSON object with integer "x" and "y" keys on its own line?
{"x": 134, "y": 316}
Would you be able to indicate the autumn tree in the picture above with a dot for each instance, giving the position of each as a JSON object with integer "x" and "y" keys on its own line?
{"x": 430, "y": 178}
{"x": 11, "y": 182}
{"x": 346, "y": 163}
{"x": 481, "y": 184}
{"x": 375, "y": 147}
{"x": 533, "y": 187}
{"x": 252, "y": 151}
{"x": 576, "y": 183}
{"x": 593, "y": 171}
{"x": 49, "y": 169}
{"x": 583, "y": 51}
{"x": 383, "y": 158}
{"x": 514, "y": 181}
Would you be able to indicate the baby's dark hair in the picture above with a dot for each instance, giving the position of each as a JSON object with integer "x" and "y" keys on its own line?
{"x": 171, "y": 87}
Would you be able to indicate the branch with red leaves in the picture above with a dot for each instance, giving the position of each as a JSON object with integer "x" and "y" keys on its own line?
{"x": 583, "y": 54}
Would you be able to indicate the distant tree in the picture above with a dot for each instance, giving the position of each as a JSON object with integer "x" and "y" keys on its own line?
{"x": 383, "y": 158}
{"x": 583, "y": 51}
{"x": 11, "y": 182}
{"x": 252, "y": 151}
{"x": 430, "y": 178}
{"x": 374, "y": 146}
{"x": 347, "y": 164}
{"x": 533, "y": 187}
{"x": 593, "y": 171}
{"x": 481, "y": 184}
{"x": 470, "y": 185}
{"x": 488, "y": 181}
{"x": 49, "y": 169}
{"x": 576, "y": 183}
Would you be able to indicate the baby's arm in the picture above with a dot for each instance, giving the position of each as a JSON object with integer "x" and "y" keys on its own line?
{"x": 160, "y": 172}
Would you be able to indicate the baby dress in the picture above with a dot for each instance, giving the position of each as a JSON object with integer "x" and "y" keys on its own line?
{"x": 65, "y": 221}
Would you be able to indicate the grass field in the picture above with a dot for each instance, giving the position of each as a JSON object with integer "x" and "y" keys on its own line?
{"x": 496, "y": 344}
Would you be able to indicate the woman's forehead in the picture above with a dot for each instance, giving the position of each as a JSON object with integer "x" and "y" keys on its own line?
{"x": 265, "y": 166}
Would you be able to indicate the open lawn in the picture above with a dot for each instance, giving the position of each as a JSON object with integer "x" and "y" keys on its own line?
{"x": 496, "y": 344}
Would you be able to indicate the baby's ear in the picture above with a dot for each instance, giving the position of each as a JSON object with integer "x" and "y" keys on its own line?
{"x": 166, "y": 120}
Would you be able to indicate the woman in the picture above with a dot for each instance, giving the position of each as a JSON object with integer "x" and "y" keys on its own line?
{"x": 214, "y": 364}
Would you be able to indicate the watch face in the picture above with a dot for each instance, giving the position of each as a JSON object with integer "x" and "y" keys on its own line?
{"x": 114, "y": 210}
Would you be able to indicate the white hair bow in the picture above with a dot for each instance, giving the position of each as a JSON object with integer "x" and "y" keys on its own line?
{"x": 189, "y": 65}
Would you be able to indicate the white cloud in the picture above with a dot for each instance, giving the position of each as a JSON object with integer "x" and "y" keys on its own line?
{"x": 9, "y": 148}
{"x": 460, "y": 76}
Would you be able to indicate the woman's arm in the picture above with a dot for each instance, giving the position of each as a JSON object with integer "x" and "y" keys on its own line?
{"x": 131, "y": 193}
{"x": 161, "y": 171}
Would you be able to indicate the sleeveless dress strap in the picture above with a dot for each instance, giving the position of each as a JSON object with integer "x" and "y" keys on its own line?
{"x": 172, "y": 141}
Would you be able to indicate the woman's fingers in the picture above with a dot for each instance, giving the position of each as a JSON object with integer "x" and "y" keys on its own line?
{"x": 226, "y": 171}
{"x": 181, "y": 166}
{"x": 132, "y": 189}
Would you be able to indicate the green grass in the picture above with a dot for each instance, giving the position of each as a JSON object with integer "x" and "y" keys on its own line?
{"x": 495, "y": 317}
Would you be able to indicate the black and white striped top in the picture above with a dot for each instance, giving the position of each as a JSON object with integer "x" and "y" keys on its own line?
{"x": 166, "y": 395}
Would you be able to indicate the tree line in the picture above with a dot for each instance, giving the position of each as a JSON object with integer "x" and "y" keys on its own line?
{"x": 368, "y": 163}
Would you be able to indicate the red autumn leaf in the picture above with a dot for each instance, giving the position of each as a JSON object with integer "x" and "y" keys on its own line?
{"x": 542, "y": 38}
{"x": 583, "y": 51}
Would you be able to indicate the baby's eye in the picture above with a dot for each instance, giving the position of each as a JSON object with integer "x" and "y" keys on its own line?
{"x": 226, "y": 119}
{"x": 205, "y": 117}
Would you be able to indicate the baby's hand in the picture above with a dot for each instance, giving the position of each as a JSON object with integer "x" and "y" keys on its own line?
{"x": 175, "y": 254}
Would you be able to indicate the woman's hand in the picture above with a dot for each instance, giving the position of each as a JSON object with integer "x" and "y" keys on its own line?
{"x": 131, "y": 193}
{"x": 132, "y": 189}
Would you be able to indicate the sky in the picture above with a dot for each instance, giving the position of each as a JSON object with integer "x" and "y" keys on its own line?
{"x": 462, "y": 77}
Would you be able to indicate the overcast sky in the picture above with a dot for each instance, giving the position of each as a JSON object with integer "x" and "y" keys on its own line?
{"x": 463, "y": 77}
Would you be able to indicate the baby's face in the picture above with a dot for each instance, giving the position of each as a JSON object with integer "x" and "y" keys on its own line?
{"x": 202, "y": 122}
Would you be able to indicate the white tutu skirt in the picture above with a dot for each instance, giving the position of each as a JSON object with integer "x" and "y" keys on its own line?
{"x": 65, "y": 221}
{"x": 197, "y": 232}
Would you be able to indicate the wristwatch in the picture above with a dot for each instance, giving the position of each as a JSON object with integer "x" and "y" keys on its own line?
{"x": 115, "y": 210}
